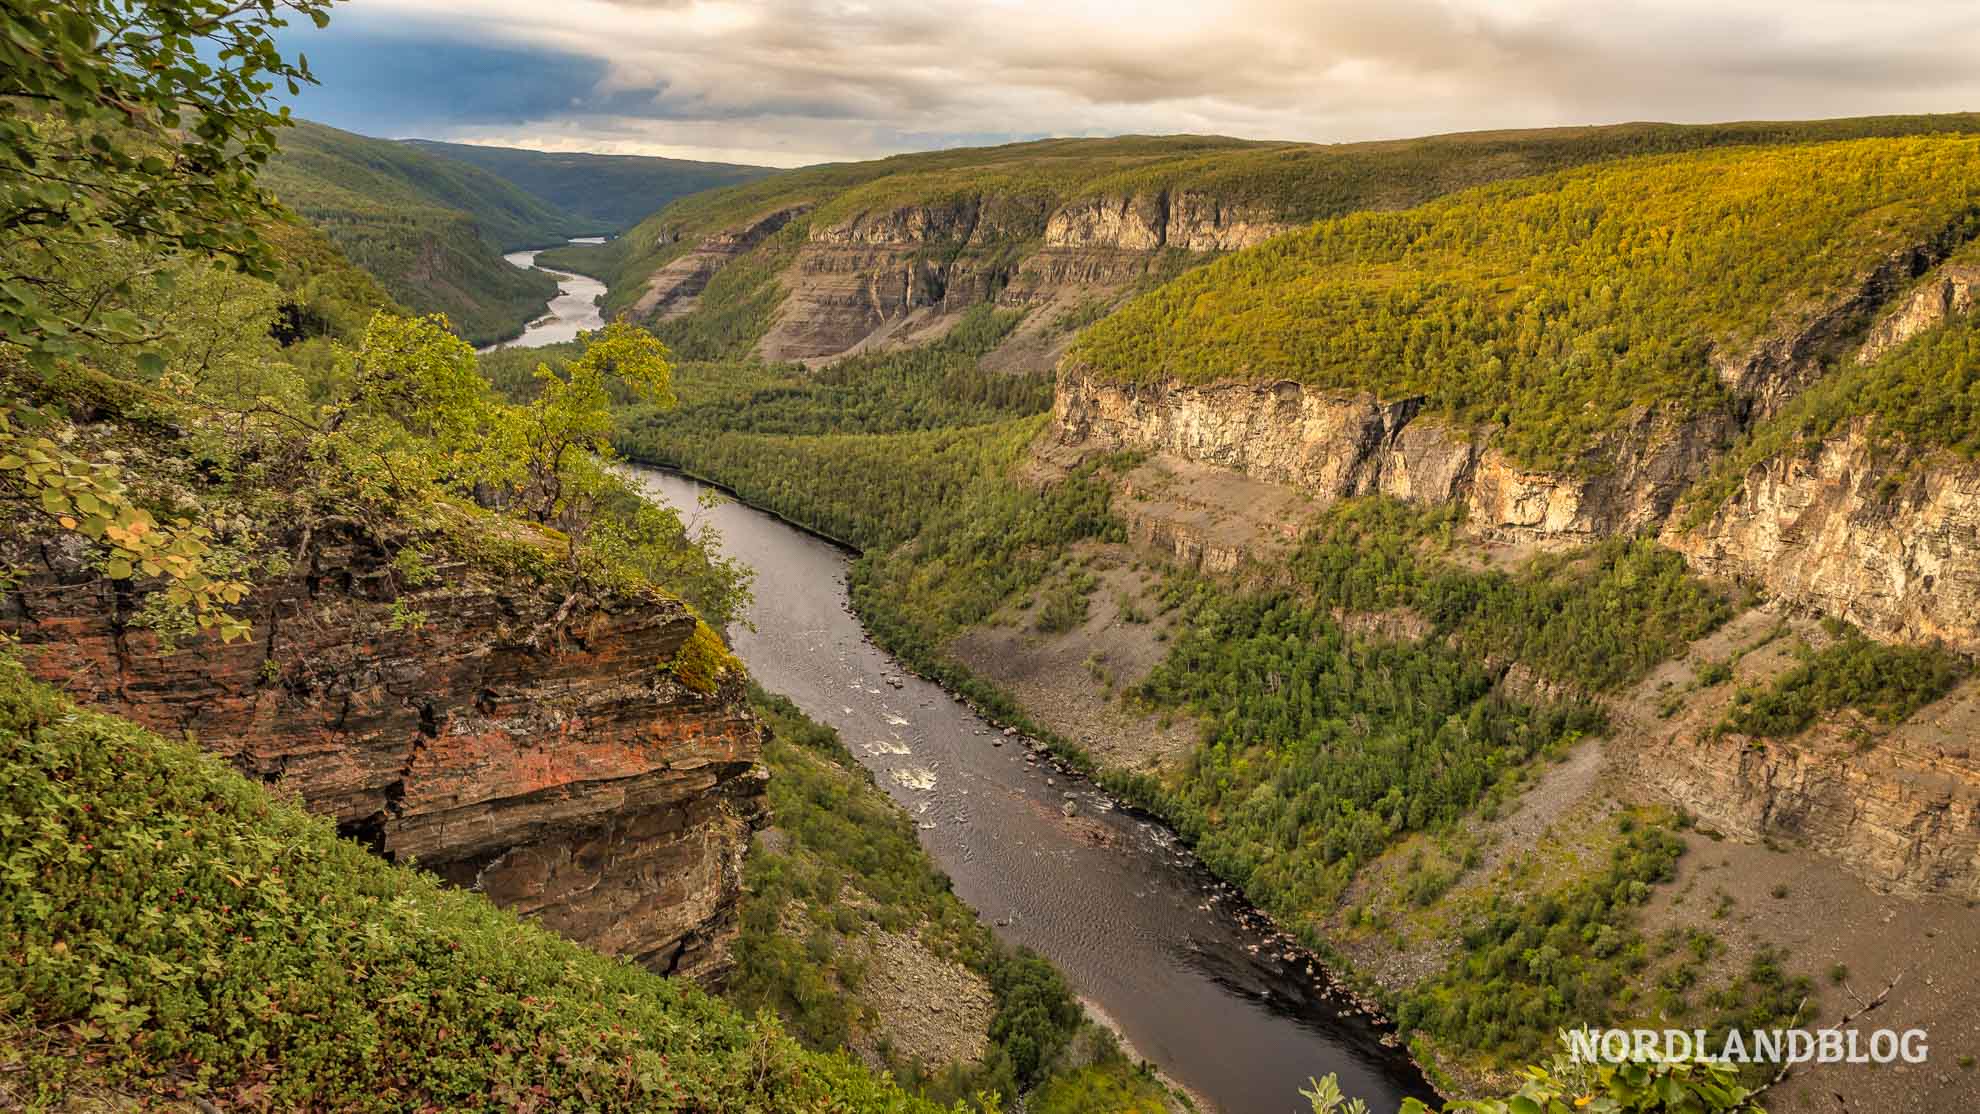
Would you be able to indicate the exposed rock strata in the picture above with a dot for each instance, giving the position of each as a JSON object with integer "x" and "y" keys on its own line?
{"x": 1898, "y": 807}
{"x": 1948, "y": 292}
{"x": 675, "y": 289}
{"x": 852, "y": 280}
{"x": 1184, "y": 219}
{"x": 1905, "y": 819}
{"x": 1885, "y": 538}
{"x": 574, "y": 782}
{"x": 1335, "y": 445}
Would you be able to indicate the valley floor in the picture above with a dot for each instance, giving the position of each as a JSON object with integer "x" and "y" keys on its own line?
{"x": 1748, "y": 895}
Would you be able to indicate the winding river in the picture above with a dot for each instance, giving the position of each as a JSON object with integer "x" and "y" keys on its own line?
{"x": 572, "y": 311}
{"x": 1146, "y": 935}
{"x": 1150, "y": 940}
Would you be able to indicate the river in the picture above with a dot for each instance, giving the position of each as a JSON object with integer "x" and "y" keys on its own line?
{"x": 1141, "y": 929}
{"x": 572, "y": 311}
{"x": 1146, "y": 935}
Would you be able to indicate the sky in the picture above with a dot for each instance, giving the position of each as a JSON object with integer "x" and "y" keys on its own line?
{"x": 792, "y": 82}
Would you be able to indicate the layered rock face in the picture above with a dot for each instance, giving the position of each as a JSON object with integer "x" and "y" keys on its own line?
{"x": 1881, "y": 537}
{"x": 1335, "y": 445}
{"x": 1146, "y": 222}
{"x": 555, "y": 768}
{"x": 1903, "y": 815}
{"x": 1899, "y": 807}
{"x": 1950, "y": 291}
{"x": 853, "y": 280}
{"x": 675, "y": 289}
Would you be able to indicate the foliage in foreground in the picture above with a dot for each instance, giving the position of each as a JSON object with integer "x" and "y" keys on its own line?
{"x": 168, "y": 929}
{"x": 143, "y": 122}
{"x": 1563, "y": 1087}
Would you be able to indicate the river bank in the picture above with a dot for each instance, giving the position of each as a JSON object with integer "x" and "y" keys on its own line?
{"x": 572, "y": 311}
{"x": 1194, "y": 979}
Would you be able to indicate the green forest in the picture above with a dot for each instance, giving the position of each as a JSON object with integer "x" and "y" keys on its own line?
{"x": 1005, "y": 194}
{"x": 1322, "y": 745}
{"x": 1885, "y": 683}
{"x": 1546, "y": 310}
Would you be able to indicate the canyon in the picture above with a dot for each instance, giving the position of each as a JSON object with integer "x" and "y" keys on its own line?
{"x": 853, "y": 283}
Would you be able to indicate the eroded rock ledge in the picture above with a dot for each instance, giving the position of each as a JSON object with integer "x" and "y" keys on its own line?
{"x": 561, "y": 772}
{"x": 1335, "y": 445}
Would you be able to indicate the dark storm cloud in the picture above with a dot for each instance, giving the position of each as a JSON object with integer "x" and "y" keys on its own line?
{"x": 795, "y": 80}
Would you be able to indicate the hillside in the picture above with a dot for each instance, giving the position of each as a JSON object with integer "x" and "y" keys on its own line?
{"x": 610, "y": 192}
{"x": 1521, "y": 595}
{"x": 432, "y": 230}
{"x": 817, "y": 262}
{"x": 251, "y": 957}
{"x": 1548, "y": 309}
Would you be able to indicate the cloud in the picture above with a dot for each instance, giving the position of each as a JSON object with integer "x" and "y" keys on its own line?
{"x": 790, "y": 81}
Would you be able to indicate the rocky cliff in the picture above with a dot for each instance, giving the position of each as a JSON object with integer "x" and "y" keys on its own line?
{"x": 854, "y": 278}
{"x": 1882, "y": 534}
{"x": 1334, "y": 445}
{"x": 544, "y": 758}
{"x": 675, "y": 289}
{"x": 1899, "y": 807}
{"x": 1884, "y": 537}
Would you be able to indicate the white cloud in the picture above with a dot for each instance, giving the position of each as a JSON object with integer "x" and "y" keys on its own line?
{"x": 791, "y": 81}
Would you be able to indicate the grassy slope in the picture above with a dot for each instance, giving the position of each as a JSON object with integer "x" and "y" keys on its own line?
{"x": 612, "y": 192}
{"x": 1290, "y": 182}
{"x": 1547, "y": 308}
{"x": 169, "y": 928}
{"x": 430, "y": 229}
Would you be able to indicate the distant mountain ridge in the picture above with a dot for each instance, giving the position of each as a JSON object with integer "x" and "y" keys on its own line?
{"x": 431, "y": 230}
{"x": 826, "y": 260}
{"x": 613, "y": 192}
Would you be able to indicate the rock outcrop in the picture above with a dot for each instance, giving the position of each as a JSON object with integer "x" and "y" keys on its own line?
{"x": 1902, "y": 814}
{"x": 1884, "y": 537}
{"x": 554, "y": 766}
{"x": 675, "y": 289}
{"x": 855, "y": 279}
{"x": 1186, "y": 219}
{"x": 1899, "y": 807}
{"x": 1334, "y": 445}
{"x": 1769, "y": 374}
{"x": 1949, "y": 291}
